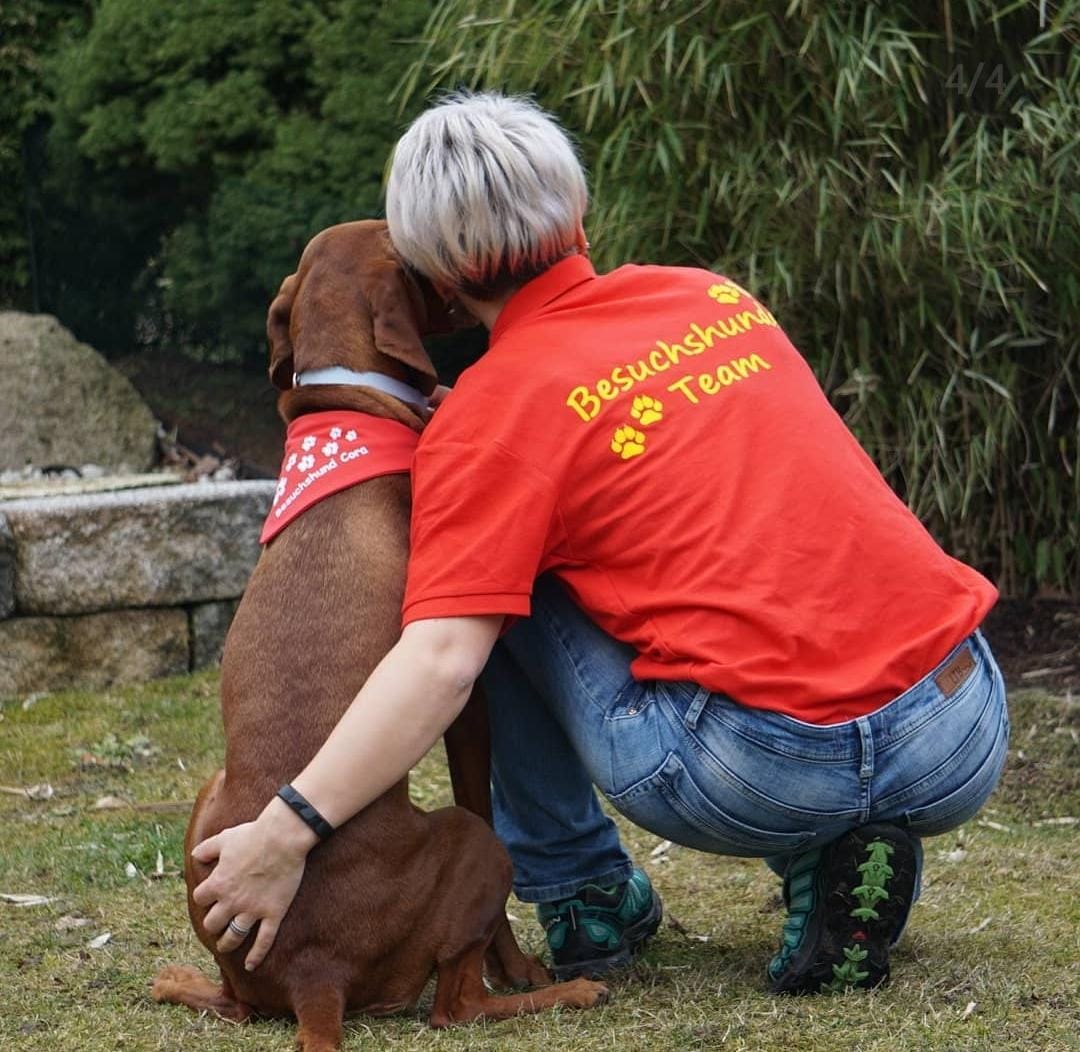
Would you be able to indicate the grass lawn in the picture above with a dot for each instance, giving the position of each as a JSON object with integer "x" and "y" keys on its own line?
{"x": 990, "y": 960}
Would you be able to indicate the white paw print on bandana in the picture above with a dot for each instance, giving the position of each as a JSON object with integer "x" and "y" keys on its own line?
{"x": 330, "y": 448}
{"x": 306, "y": 462}
{"x": 308, "y": 444}
{"x": 350, "y": 436}
{"x": 290, "y": 462}
{"x": 335, "y": 432}
{"x": 280, "y": 492}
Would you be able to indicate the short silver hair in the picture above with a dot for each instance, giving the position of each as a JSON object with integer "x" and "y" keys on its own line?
{"x": 485, "y": 192}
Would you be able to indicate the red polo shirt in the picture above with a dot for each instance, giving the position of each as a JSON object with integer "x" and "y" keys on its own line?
{"x": 653, "y": 438}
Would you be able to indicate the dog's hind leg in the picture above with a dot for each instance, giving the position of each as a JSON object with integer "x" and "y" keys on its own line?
{"x": 319, "y": 1011}
{"x": 183, "y": 985}
{"x": 508, "y": 967}
{"x": 461, "y": 997}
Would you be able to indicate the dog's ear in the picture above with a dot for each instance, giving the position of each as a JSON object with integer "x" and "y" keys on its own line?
{"x": 394, "y": 325}
{"x": 277, "y": 332}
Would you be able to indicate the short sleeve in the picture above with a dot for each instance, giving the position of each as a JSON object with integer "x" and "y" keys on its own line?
{"x": 484, "y": 525}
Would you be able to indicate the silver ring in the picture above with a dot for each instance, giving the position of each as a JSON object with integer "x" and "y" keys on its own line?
{"x": 237, "y": 930}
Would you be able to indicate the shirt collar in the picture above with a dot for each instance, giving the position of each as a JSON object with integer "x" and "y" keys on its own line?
{"x": 563, "y": 276}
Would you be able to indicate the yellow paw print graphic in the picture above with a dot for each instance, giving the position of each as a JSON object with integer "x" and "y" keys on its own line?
{"x": 726, "y": 291}
{"x": 628, "y": 443}
{"x": 647, "y": 410}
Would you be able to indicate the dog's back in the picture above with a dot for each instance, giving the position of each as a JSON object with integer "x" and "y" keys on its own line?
{"x": 321, "y": 610}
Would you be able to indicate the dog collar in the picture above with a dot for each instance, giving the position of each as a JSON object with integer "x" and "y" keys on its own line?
{"x": 338, "y": 374}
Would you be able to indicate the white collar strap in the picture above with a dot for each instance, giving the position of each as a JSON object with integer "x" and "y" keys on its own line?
{"x": 338, "y": 374}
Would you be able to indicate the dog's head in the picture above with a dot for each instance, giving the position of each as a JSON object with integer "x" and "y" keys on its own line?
{"x": 352, "y": 302}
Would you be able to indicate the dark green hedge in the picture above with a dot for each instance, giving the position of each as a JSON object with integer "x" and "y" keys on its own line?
{"x": 192, "y": 148}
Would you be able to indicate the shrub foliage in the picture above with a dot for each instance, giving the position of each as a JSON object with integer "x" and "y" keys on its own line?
{"x": 29, "y": 31}
{"x": 224, "y": 133}
{"x": 898, "y": 181}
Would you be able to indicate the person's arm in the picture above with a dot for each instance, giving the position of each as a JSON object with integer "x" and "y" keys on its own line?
{"x": 413, "y": 695}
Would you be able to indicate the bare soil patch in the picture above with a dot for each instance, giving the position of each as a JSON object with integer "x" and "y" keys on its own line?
{"x": 1037, "y": 642}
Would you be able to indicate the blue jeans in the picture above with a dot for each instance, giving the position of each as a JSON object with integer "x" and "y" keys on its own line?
{"x": 700, "y": 770}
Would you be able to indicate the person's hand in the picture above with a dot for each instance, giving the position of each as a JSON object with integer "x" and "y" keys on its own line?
{"x": 259, "y": 867}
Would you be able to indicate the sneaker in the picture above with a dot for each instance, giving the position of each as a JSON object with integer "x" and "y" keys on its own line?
{"x": 600, "y": 929}
{"x": 847, "y": 902}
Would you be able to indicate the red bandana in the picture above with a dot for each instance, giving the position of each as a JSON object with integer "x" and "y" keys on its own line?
{"x": 328, "y": 452}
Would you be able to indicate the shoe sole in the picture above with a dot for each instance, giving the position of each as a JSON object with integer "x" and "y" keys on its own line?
{"x": 858, "y": 927}
{"x": 633, "y": 942}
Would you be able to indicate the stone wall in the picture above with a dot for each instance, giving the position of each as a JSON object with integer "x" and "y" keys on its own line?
{"x": 116, "y": 587}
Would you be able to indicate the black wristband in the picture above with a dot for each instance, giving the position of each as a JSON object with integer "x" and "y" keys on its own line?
{"x": 308, "y": 815}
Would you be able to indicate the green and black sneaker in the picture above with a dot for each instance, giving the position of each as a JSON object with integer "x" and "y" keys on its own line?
{"x": 846, "y": 902}
{"x": 600, "y": 929}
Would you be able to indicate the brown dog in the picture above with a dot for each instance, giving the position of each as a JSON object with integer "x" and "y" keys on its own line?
{"x": 397, "y": 893}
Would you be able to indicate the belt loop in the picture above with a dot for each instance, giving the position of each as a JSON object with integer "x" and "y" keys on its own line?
{"x": 694, "y": 712}
{"x": 866, "y": 748}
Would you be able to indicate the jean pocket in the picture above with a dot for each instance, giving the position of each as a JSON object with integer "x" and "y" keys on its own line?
{"x": 670, "y": 804}
{"x": 963, "y": 803}
{"x": 630, "y": 702}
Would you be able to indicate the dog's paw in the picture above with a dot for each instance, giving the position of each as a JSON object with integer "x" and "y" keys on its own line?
{"x": 628, "y": 442}
{"x": 583, "y": 993}
{"x": 647, "y": 410}
{"x": 175, "y": 979}
{"x": 523, "y": 972}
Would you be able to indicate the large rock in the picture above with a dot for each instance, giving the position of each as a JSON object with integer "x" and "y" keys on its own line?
{"x": 62, "y": 403}
{"x": 166, "y": 546}
{"x": 94, "y": 650}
